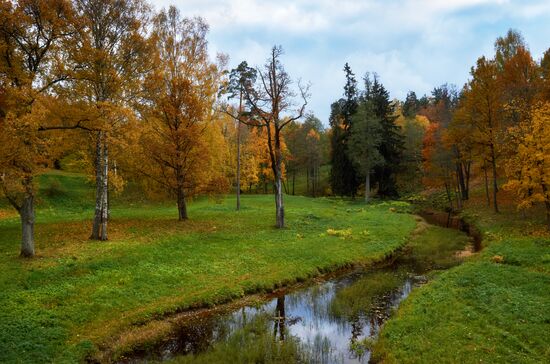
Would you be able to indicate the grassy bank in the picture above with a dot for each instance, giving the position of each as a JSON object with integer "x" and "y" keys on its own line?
{"x": 77, "y": 294}
{"x": 494, "y": 309}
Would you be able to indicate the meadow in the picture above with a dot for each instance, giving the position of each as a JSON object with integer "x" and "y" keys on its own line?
{"x": 76, "y": 296}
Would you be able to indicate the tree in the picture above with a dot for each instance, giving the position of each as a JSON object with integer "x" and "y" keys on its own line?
{"x": 240, "y": 78}
{"x": 110, "y": 56}
{"x": 343, "y": 176}
{"x": 528, "y": 170}
{"x": 31, "y": 36}
{"x": 506, "y": 47}
{"x": 413, "y": 129}
{"x": 364, "y": 142}
{"x": 481, "y": 100}
{"x": 179, "y": 140}
{"x": 411, "y": 105}
{"x": 391, "y": 143}
{"x": 269, "y": 99}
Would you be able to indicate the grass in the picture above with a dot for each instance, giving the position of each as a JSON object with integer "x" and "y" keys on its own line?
{"x": 77, "y": 295}
{"x": 253, "y": 343}
{"x": 360, "y": 297}
{"x": 494, "y": 308}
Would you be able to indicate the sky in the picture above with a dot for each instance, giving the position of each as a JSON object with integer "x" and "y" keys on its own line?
{"x": 411, "y": 44}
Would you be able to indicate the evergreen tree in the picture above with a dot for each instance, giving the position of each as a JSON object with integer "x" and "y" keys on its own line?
{"x": 391, "y": 143}
{"x": 364, "y": 142}
{"x": 350, "y": 93}
{"x": 411, "y": 105}
{"x": 343, "y": 177}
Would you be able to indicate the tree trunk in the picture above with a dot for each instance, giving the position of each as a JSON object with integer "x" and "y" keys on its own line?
{"x": 98, "y": 188}
{"x": 449, "y": 196}
{"x": 293, "y": 180}
{"x": 495, "y": 186}
{"x": 238, "y": 166}
{"x": 367, "y": 186}
{"x": 105, "y": 192}
{"x": 547, "y": 204}
{"x": 307, "y": 180}
{"x": 459, "y": 193}
{"x": 27, "y": 226}
{"x": 182, "y": 207}
{"x": 182, "y": 204}
{"x": 461, "y": 179}
{"x": 487, "y": 186}
{"x": 280, "y": 318}
{"x": 279, "y": 205}
{"x": 239, "y": 154}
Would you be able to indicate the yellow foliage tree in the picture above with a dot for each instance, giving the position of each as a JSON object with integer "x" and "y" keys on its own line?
{"x": 529, "y": 169}
{"x": 31, "y": 35}
{"x": 180, "y": 140}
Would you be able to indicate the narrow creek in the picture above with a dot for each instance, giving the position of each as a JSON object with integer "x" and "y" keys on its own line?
{"x": 333, "y": 321}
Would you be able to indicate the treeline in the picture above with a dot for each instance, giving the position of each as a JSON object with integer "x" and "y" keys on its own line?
{"x": 132, "y": 94}
{"x": 496, "y": 129}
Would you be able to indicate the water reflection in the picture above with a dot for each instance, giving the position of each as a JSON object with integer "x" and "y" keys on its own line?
{"x": 335, "y": 321}
{"x": 329, "y": 327}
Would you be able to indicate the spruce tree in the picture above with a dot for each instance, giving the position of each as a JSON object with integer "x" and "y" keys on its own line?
{"x": 392, "y": 142}
{"x": 411, "y": 105}
{"x": 343, "y": 177}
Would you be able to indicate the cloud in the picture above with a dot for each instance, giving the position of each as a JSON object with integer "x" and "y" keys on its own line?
{"x": 412, "y": 44}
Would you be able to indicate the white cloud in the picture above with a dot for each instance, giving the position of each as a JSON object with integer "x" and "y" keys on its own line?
{"x": 411, "y": 44}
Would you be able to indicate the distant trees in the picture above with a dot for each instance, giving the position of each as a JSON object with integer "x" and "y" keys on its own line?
{"x": 494, "y": 127}
{"x": 306, "y": 143}
{"x": 377, "y": 130}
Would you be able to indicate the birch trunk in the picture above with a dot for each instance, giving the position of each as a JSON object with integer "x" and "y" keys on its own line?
{"x": 105, "y": 192}
{"x": 98, "y": 188}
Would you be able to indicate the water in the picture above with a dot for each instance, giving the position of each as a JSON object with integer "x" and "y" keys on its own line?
{"x": 332, "y": 321}
{"x": 306, "y": 315}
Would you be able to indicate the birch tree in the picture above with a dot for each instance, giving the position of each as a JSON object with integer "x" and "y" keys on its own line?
{"x": 110, "y": 56}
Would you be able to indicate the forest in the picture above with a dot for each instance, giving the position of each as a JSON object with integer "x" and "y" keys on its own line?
{"x": 142, "y": 178}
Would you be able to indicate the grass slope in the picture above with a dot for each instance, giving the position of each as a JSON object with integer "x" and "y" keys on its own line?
{"x": 493, "y": 309}
{"x": 77, "y": 294}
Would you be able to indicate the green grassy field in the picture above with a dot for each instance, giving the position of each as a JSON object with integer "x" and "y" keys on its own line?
{"x": 77, "y": 295}
{"x": 493, "y": 309}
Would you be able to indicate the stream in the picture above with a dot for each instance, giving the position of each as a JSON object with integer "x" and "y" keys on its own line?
{"x": 332, "y": 321}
